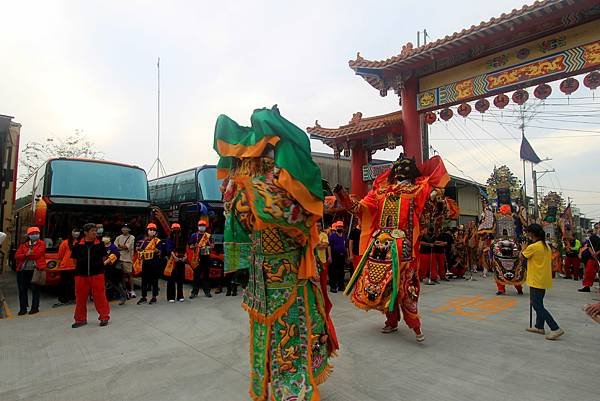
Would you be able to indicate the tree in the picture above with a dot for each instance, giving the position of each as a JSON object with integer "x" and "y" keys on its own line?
{"x": 35, "y": 153}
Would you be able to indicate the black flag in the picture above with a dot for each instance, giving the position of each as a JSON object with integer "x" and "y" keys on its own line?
{"x": 527, "y": 152}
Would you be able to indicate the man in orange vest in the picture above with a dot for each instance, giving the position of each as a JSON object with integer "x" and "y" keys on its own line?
{"x": 201, "y": 244}
{"x": 30, "y": 255}
{"x": 66, "y": 265}
{"x": 151, "y": 252}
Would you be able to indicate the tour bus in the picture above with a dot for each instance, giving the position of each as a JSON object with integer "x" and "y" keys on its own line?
{"x": 185, "y": 197}
{"x": 65, "y": 193}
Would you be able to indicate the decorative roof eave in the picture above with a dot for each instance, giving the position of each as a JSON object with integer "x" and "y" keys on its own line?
{"x": 379, "y": 73}
{"x": 356, "y": 126}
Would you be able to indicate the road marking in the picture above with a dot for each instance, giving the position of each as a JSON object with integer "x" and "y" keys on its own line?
{"x": 477, "y": 307}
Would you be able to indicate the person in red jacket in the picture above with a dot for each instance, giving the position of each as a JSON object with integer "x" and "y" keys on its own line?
{"x": 89, "y": 254}
{"x": 30, "y": 255}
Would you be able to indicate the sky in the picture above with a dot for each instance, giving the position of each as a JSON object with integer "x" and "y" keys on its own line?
{"x": 91, "y": 66}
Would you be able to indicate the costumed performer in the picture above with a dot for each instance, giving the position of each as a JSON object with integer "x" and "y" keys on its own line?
{"x": 386, "y": 279}
{"x": 273, "y": 197}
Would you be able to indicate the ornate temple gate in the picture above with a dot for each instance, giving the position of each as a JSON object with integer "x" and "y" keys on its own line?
{"x": 543, "y": 42}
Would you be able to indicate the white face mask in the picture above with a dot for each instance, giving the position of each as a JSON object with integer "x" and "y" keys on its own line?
{"x": 99, "y": 231}
{"x": 106, "y": 240}
{"x": 151, "y": 233}
{"x": 75, "y": 234}
{"x": 34, "y": 237}
{"x": 201, "y": 228}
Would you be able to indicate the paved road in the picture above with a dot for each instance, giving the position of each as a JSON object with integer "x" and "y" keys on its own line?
{"x": 476, "y": 349}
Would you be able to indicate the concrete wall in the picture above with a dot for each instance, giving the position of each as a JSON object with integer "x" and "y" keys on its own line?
{"x": 9, "y": 148}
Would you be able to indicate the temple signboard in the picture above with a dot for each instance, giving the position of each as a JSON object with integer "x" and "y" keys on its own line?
{"x": 372, "y": 171}
{"x": 550, "y": 58}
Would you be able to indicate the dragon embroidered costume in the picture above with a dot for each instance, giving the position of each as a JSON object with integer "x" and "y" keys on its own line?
{"x": 273, "y": 197}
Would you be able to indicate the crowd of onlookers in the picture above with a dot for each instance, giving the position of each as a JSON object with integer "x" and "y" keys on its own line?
{"x": 94, "y": 264}
{"x": 457, "y": 253}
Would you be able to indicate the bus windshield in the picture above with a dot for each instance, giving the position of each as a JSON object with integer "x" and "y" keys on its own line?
{"x": 210, "y": 186}
{"x": 87, "y": 179}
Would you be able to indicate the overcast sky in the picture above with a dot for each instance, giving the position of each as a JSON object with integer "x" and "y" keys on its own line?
{"x": 91, "y": 65}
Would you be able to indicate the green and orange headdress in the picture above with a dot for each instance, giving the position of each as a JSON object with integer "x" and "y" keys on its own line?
{"x": 299, "y": 174}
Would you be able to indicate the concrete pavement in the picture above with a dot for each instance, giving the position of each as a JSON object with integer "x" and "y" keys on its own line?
{"x": 476, "y": 349}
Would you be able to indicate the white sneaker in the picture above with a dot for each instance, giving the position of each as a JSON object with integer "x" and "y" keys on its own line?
{"x": 553, "y": 335}
{"x": 132, "y": 295}
{"x": 181, "y": 299}
{"x": 171, "y": 301}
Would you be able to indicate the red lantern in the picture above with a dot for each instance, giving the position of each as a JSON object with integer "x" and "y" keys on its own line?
{"x": 464, "y": 109}
{"x": 446, "y": 114}
{"x": 482, "y": 105}
{"x": 569, "y": 86}
{"x": 592, "y": 80}
{"x": 501, "y": 101}
{"x": 520, "y": 96}
{"x": 430, "y": 117}
{"x": 542, "y": 91}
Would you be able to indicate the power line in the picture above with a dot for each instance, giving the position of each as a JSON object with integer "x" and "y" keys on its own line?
{"x": 454, "y": 165}
{"x": 467, "y": 150}
{"x": 551, "y": 128}
{"x": 530, "y": 136}
{"x": 477, "y": 145}
{"x": 576, "y": 190}
{"x": 492, "y": 136}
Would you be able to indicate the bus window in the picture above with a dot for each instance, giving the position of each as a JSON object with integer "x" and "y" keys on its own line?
{"x": 209, "y": 186}
{"x": 185, "y": 187}
{"x": 81, "y": 178}
{"x": 163, "y": 190}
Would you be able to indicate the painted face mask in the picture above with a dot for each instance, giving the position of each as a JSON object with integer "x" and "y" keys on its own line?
{"x": 34, "y": 237}
{"x": 201, "y": 228}
{"x": 404, "y": 169}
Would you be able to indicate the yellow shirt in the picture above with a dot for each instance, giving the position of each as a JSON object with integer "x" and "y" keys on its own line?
{"x": 539, "y": 265}
{"x": 322, "y": 252}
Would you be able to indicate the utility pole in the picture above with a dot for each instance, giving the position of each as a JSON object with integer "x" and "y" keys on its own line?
{"x": 536, "y": 207}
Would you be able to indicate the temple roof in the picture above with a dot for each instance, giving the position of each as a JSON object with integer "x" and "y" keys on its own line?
{"x": 519, "y": 26}
{"x": 357, "y": 125}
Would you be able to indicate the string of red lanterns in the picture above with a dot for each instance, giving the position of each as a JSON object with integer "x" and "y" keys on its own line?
{"x": 520, "y": 96}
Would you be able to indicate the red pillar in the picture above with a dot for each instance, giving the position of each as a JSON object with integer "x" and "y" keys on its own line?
{"x": 359, "y": 157}
{"x": 412, "y": 138}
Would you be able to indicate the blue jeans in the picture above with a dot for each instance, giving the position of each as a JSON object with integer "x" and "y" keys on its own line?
{"x": 536, "y": 297}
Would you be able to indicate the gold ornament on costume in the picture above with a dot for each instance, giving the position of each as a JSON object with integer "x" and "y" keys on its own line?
{"x": 503, "y": 178}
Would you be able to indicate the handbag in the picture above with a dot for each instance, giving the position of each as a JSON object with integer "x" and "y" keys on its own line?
{"x": 39, "y": 277}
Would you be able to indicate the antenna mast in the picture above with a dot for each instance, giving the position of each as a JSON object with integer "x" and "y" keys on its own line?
{"x": 160, "y": 168}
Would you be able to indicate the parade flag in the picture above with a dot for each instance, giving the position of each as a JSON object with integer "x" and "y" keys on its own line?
{"x": 527, "y": 152}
